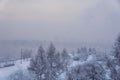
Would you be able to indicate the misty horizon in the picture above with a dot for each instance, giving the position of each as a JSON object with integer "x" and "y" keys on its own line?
{"x": 95, "y": 21}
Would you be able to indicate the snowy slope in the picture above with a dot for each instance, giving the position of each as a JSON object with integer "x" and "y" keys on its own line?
{"x": 6, "y": 72}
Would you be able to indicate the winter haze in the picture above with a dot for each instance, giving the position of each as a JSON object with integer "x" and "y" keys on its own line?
{"x": 62, "y": 20}
{"x": 59, "y": 39}
{"x": 72, "y": 22}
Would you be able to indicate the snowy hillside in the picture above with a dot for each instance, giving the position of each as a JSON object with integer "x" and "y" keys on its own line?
{"x": 6, "y": 72}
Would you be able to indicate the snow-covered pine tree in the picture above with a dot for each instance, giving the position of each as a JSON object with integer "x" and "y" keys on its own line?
{"x": 111, "y": 66}
{"x": 78, "y": 51}
{"x": 65, "y": 58}
{"x": 117, "y": 50}
{"x": 53, "y": 63}
{"x": 87, "y": 71}
{"x": 38, "y": 65}
{"x": 59, "y": 67}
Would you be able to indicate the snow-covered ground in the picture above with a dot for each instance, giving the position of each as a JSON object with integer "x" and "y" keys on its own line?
{"x": 7, "y": 71}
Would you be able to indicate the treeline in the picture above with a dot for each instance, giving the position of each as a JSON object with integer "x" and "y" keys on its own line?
{"x": 50, "y": 64}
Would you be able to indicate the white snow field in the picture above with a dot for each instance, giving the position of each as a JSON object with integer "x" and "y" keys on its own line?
{"x": 7, "y": 71}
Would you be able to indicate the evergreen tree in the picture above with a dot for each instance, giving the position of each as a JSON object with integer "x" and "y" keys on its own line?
{"x": 65, "y": 58}
{"x": 117, "y": 50}
{"x": 87, "y": 71}
{"x": 78, "y": 51}
{"x": 38, "y": 65}
{"x": 111, "y": 66}
{"x": 53, "y": 63}
{"x": 51, "y": 54}
{"x": 64, "y": 54}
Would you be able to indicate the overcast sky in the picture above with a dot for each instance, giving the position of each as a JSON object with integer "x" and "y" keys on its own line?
{"x": 62, "y": 20}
